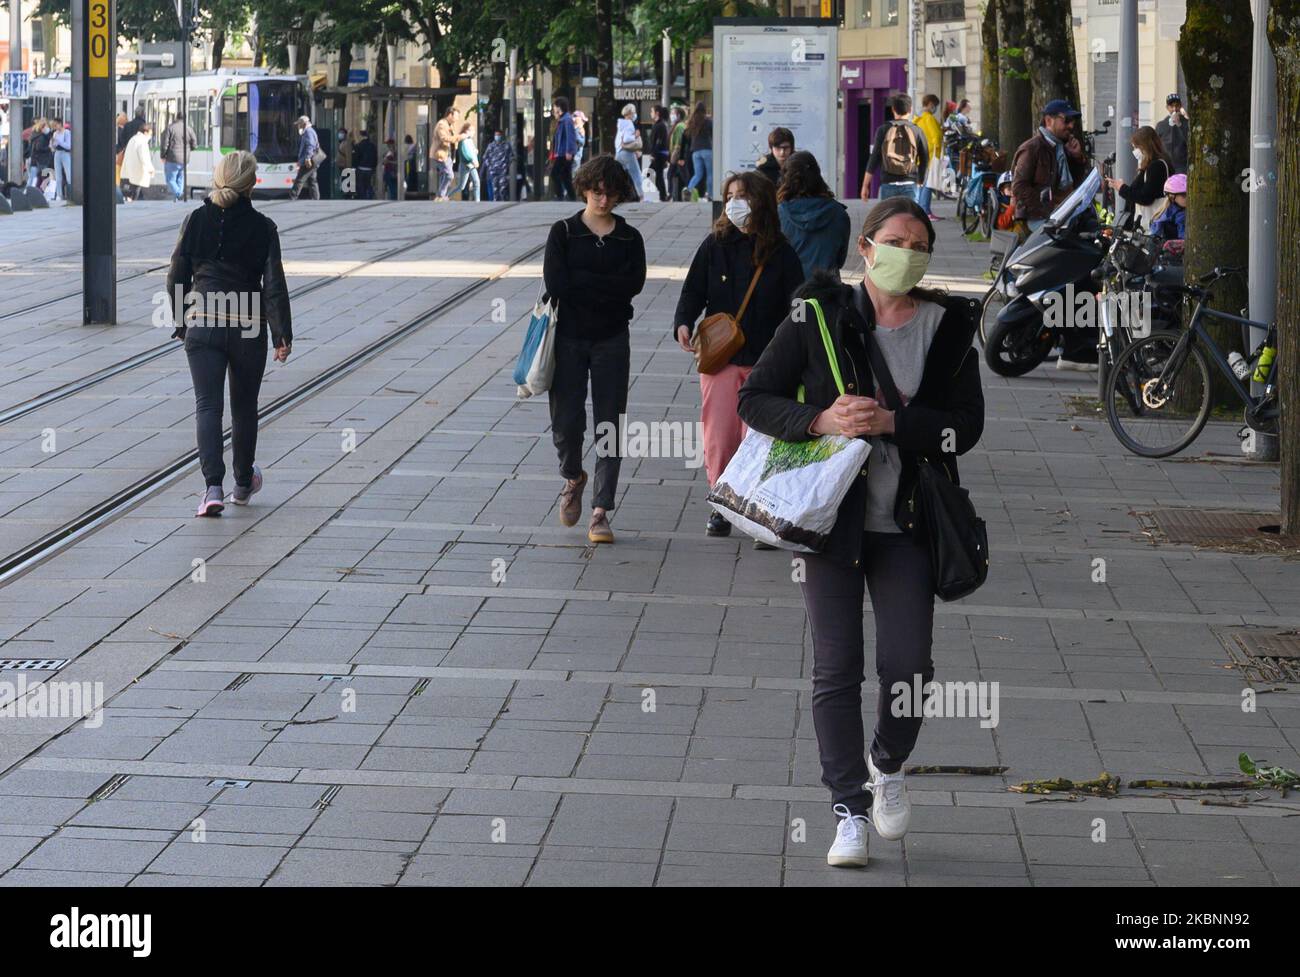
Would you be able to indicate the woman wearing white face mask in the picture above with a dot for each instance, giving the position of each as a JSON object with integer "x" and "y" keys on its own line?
{"x": 744, "y": 255}
{"x": 923, "y": 338}
{"x": 1154, "y": 168}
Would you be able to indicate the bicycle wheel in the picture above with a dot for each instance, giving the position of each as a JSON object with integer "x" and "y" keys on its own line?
{"x": 989, "y": 212}
{"x": 1157, "y": 395}
{"x": 970, "y": 219}
{"x": 994, "y": 300}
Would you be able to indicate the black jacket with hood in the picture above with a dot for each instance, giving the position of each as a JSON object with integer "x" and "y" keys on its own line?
{"x": 225, "y": 251}
{"x": 949, "y": 398}
{"x": 593, "y": 279}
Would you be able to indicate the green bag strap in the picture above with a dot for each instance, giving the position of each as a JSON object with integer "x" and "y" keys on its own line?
{"x": 830, "y": 348}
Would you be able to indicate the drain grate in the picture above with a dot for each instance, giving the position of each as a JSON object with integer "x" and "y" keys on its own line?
{"x": 32, "y": 664}
{"x": 109, "y": 787}
{"x": 1210, "y": 526}
{"x": 418, "y": 688}
{"x": 237, "y": 784}
{"x": 240, "y": 680}
{"x": 1266, "y": 656}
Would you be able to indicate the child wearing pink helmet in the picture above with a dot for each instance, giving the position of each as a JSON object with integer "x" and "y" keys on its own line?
{"x": 1171, "y": 223}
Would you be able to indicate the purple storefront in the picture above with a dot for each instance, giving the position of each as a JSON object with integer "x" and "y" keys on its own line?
{"x": 866, "y": 86}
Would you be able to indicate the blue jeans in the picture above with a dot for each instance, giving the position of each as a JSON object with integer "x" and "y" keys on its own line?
{"x": 173, "y": 172}
{"x": 923, "y": 197}
{"x": 627, "y": 159}
{"x": 905, "y": 189}
{"x": 446, "y": 176}
{"x": 469, "y": 181}
{"x": 62, "y": 174}
{"x": 702, "y": 160}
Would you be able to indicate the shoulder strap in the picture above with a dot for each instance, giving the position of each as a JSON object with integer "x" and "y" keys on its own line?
{"x": 748, "y": 292}
{"x": 827, "y": 344}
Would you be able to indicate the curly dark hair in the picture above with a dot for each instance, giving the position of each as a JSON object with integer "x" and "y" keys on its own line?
{"x": 802, "y": 177}
{"x": 764, "y": 225}
{"x": 603, "y": 171}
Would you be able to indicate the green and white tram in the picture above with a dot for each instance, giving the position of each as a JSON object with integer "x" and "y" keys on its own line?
{"x": 228, "y": 109}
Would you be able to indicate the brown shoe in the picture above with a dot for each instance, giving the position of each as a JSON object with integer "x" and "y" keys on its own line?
{"x": 571, "y": 501}
{"x": 598, "y": 531}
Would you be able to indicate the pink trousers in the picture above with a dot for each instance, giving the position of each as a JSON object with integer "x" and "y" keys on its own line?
{"x": 723, "y": 428}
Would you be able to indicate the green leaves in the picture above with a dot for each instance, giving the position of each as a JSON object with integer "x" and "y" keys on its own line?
{"x": 788, "y": 455}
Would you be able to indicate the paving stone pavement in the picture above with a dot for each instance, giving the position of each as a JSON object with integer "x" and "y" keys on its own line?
{"x": 399, "y": 669}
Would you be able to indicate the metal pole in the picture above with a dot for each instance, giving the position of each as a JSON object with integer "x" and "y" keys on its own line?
{"x": 15, "y": 106}
{"x": 1262, "y": 233}
{"x": 668, "y": 72}
{"x": 94, "y": 64}
{"x": 912, "y": 22}
{"x": 1126, "y": 98}
{"x": 185, "y": 116}
{"x": 509, "y": 128}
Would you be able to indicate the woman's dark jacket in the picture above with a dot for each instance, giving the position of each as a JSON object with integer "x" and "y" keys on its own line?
{"x": 224, "y": 252}
{"x": 716, "y": 282}
{"x": 949, "y": 398}
{"x": 593, "y": 278}
{"x": 1149, "y": 186}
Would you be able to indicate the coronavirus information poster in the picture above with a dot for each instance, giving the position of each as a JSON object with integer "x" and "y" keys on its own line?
{"x": 772, "y": 75}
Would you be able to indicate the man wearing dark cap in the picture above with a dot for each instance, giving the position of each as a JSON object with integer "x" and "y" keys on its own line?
{"x": 1045, "y": 169}
{"x": 1172, "y": 130}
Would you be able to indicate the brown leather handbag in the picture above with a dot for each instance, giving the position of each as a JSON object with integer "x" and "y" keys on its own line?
{"x": 719, "y": 337}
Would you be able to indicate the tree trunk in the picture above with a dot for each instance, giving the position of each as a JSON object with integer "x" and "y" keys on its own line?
{"x": 989, "y": 71}
{"x": 1049, "y": 52}
{"x": 1015, "y": 114}
{"x": 376, "y": 107}
{"x": 302, "y": 62}
{"x": 603, "y": 116}
{"x": 345, "y": 64}
{"x": 218, "y": 48}
{"x": 1285, "y": 40}
{"x": 494, "y": 117}
{"x": 1214, "y": 48}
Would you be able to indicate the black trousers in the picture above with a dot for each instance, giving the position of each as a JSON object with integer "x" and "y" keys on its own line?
{"x": 897, "y": 574}
{"x": 245, "y": 362}
{"x": 607, "y": 362}
{"x": 562, "y": 178}
{"x": 657, "y": 167}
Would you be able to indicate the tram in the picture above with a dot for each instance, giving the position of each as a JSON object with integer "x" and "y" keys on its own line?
{"x": 228, "y": 109}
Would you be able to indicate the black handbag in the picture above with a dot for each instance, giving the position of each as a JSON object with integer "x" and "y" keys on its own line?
{"x": 940, "y": 512}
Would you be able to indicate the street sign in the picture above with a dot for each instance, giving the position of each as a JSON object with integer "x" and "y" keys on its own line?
{"x": 358, "y": 76}
{"x": 16, "y": 84}
{"x": 97, "y": 39}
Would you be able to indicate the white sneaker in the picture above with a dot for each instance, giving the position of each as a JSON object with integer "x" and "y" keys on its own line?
{"x": 890, "y": 809}
{"x": 1064, "y": 364}
{"x": 850, "y": 847}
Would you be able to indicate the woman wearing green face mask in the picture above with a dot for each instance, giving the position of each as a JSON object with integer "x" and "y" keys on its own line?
{"x": 924, "y": 338}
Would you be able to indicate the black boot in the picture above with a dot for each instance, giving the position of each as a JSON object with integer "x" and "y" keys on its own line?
{"x": 718, "y": 526}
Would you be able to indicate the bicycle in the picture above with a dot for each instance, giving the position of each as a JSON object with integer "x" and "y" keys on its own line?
{"x": 1162, "y": 382}
{"x": 977, "y": 206}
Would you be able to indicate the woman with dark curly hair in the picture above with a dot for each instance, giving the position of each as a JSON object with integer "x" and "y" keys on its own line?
{"x": 813, "y": 221}
{"x": 594, "y": 266}
{"x": 745, "y": 248}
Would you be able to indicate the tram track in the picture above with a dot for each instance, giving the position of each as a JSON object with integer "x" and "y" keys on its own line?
{"x": 27, "y": 310}
{"x": 75, "y": 387}
{"x": 16, "y": 564}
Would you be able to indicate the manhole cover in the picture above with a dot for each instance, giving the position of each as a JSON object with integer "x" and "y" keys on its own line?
{"x": 1266, "y": 656}
{"x": 1209, "y": 526}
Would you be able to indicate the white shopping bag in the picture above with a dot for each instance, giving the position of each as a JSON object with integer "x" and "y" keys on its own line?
{"x": 788, "y": 493}
{"x": 536, "y": 364}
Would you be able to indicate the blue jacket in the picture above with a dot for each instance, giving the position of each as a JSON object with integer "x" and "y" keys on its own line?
{"x": 566, "y": 138}
{"x": 307, "y": 145}
{"x": 1171, "y": 224}
{"x": 818, "y": 228}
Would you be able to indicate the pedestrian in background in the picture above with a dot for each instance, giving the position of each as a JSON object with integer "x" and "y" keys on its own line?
{"x": 812, "y": 220}
{"x": 365, "y": 159}
{"x": 593, "y": 268}
{"x": 744, "y": 247}
{"x": 412, "y": 175}
{"x": 1172, "y": 130}
{"x": 1154, "y": 168}
{"x": 226, "y": 247}
{"x": 445, "y": 140}
{"x": 468, "y": 184}
{"x": 178, "y": 141}
{"x": 390, "y": 169}
{"x": 679, "y": 173}
{"x": 699, "y": 134}
{"x": 932, "y": 175}
{"x": 780, "y": 144}
{"x": 137, "y": 163}
{"x": 496, "y": 161}
{"x": 61, "y": 142}
{"x": 627, "y": 147}
{"x": 924, "y": 338}
{"x": 308, "y": 161}
{"x": 41, "y": 155}
{"x": 564, "y": 147}
{"x": 899, "y": 152}
{"x": 659, "y": 150}
{"x": 580, "y": 136}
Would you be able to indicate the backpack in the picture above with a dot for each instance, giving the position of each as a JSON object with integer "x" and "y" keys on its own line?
{"x": 900, "y": 149}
